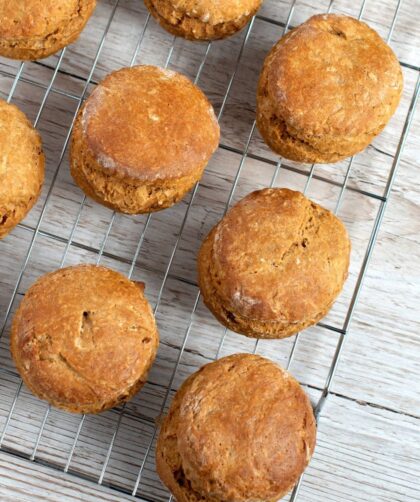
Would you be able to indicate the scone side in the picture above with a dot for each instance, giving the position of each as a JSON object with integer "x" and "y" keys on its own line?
{"x": 168, "y": 460}
{"x": 182, "y": 24}
{"x": 51, "y": 43}
{"x": 281, "y": 132}
{"x": 122, "y": 193}
{"x": 14, "y": 211}
{"x": 298, "y": 145}
{"x": 273, "y": 128}
{"x": 303, "y": 147}
{"x": 275, "y": 134}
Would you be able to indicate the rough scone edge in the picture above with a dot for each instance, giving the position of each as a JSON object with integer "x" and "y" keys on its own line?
{"x": 40, "y": 48}
{"x": 93, "y": 179}
{"x": 192, "y": 28}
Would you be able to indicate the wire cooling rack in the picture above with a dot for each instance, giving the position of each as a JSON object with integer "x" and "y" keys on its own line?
{"x": 116, "y": 448}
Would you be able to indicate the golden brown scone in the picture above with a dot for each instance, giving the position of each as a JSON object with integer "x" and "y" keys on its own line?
{"x": 35, "y": 29}
{"x": 203, "y": 19}
{"x": 142, "y": 139}
{"x": 22, "y": 165}
{"x": 240, "y": 429}
{"x": 84, "y": 338}
{"x": 274, "y": 264}
{"x": 327, "y": 89}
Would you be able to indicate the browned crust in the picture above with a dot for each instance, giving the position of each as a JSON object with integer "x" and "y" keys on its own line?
{"x": 42, "y": 28}
{"x": 123, "y": 194}
{"x": 84, "y": 338}
{"x": 240, "y": 429}
{"x": 203, "y": 20}
{"x": 22, "y": 166}
{"x": 146, "y": 152}
{"x": 233, "y": 319}
{"x": 274, "y": 264}
{"x": 327, "y": 89}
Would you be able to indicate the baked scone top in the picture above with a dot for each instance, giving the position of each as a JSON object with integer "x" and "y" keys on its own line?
{"x": 149, "y": 123}
{"x": 21, "y": 161}
{"x": 83, "y": 336}
{"x": 244, "y": 430}
{"x": 277, "y": 256}
{"x": 333, "y": 75}
{"x": 214, "y": 11}
{"x": 39, "y": 18}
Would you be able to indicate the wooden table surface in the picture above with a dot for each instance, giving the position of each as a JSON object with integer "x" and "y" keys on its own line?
{"x": 368, "y": 445}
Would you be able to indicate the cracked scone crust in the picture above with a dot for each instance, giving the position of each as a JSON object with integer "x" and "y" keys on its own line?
{"x": 203, "y": 19}
{"x": 240, "y": 429}
{"x": 35, "y": 29}
{"x": 142, "y": 139}
{"x": 84, "y": 338}
{"x": 327, "y": 89}
{"x": 22, "y": 166}
{"x": 274, "y": 264}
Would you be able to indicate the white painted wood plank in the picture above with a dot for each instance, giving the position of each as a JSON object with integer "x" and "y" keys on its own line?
{"x": 379, "y": 363}
{"x": 28, "y": 482}
{"x": 364, "y": 454}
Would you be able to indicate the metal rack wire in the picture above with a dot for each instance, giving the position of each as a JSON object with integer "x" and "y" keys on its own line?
{"x": 244, "y": 153}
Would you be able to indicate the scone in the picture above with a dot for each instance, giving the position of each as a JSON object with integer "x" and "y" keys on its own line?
{"x": 22, "y": 165}
{"x": 84, "y": 338}
{"x": 35, "y": 29}
{"x": 142, "y": 139}
{"x": 274, "y": 264}
{"x": 203, "y": 19}
{"x": 240, "y": 429}
{"x": 327, "y": 89}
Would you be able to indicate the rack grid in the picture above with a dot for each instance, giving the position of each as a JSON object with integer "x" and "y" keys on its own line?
{"x": 46, "y": 427}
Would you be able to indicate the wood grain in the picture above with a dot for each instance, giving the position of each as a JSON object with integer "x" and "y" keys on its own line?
{"x": 369, "y": 432}
{"x": 27, "y": 482}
